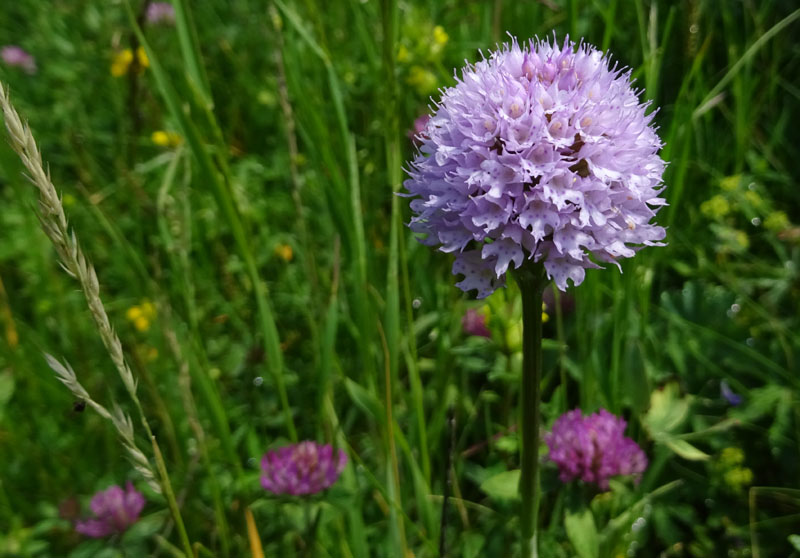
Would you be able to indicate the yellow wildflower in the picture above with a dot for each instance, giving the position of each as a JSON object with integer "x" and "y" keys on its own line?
{"x": 284, "y": 252}
{"x": 734, "y": 475}
{"x": 421, "y": 79}
{"x": 545, "y": 315}
{"x": 730, "y": 183}
{"x": 133, "y": 313}
{"x": 716, "y": 208}
{"x": 141, "y": 315}
{"x": 777, "y": 221}
{"x": 121, "y": 63}
{"x": 141, "y": 55}
{"x": 754, "y": 199}
{"x": 738, "y": 478}
{"x": 402, "y": 54}
{"x": 166, "y": 139}
{"x": 742, "y": 240}
{"x": 440, "y": 36}
{"x": 732, "y": 456}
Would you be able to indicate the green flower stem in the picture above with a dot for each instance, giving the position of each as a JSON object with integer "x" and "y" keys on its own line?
{"x": 531, "y": 280}
{"x": 311, "y": 528}
{"x": 169, "y": 494}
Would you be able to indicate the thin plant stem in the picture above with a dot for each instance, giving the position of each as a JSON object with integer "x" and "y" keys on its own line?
{"x": 294, "y": 173}
{"x": 256, "y": 550}
{"x": 190, "y": 407}
{"x": 134, "y": 111}
{"x": 448, "y": 480}
{"x": 10, "y": 329}
{"x": 497, "y": 12}
{"x": 170, "y": 496}
{"x": 562, "y": 348}
{"x": 312, "y": 526}
{"x": 397, "y": 534}
{"x": 531, "y": 281}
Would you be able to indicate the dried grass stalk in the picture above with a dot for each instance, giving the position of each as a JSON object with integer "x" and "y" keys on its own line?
{"x": 54, "y": 223}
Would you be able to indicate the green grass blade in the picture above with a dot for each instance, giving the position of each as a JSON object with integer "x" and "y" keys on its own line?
{"x": 222, "y": 193}
{"x": 707, "y": 102}
{"x": 190, "y": 50}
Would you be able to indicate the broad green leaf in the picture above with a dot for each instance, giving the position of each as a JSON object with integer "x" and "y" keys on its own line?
{"x": 472, "y": 544}
{"x": 667, "y": 410}
{"x": 504, "y": 486}
{"x": 582, "y": 532}
{"x": 685, "y": 449}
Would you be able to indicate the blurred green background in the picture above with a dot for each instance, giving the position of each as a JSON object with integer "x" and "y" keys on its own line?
{"x": 234, "y": 184}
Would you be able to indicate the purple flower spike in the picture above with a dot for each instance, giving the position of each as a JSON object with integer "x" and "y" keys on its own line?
{"x": 115, "y": 510}
{"x": 16, "y": 57}
{"x": 594, "y": 448}
{"x": 729, "y": 395}
{"x": 304, "y": 468}
{"x": 539, "y": 153}
{"x": 474, "y": 323}
{"x": 160, "y": 12}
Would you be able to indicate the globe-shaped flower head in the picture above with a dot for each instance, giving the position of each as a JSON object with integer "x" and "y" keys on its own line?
{"x": 539, "y": 153}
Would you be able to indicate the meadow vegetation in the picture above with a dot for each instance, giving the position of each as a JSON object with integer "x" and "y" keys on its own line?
{"x": 232, "y": 175}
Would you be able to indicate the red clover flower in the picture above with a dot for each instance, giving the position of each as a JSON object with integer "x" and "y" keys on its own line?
{"x": 419, "y": 128}
{"x": 115, "y": 510}
{"x": 16, "y": 57}
{"x": 593, "y": 448}
{"x": 304, "y": 468}
{"x": 541, "y": 153}
{"x": 160, "y": 12}
{"x": 474, "y": 323}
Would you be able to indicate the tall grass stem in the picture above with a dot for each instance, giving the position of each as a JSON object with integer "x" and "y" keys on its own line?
{"x": 54, "y": 223}
{"x": 220, "y": 181}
